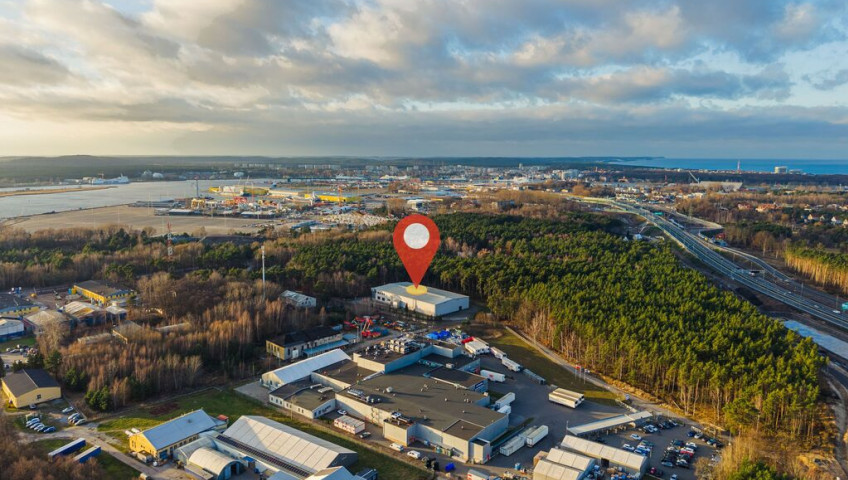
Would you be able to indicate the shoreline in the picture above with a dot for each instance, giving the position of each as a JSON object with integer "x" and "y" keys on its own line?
{"x": 48, "y": 191}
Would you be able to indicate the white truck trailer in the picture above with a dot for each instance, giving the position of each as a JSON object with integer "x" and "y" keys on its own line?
{"x": 505, "y": 400}
{"x": 493, "y": 376}
{"x": 513, "y": 445}
{"x": 498, "y": 353}
{"x": 566, "y": 397}
{"x": 537, "y": 435}
{"x": 514, "y": 366}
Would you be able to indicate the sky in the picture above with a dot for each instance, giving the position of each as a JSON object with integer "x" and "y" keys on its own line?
{"x": 693, "y": 78}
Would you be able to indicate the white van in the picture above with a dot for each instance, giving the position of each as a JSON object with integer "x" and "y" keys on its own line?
{"x": 396, "y": 446}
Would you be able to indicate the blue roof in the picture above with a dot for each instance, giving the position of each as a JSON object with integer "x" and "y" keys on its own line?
{"x": 180, "y": 428}
{"x": 325, "y": 347}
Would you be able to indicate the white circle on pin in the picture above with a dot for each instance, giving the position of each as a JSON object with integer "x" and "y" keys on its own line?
{"x": 416, "y": 236}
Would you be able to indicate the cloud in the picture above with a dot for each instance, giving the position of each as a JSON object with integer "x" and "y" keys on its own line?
{"x": 829, "y": 82}
{"x": 24, "y": 66}
{"x": 389, "y": 68}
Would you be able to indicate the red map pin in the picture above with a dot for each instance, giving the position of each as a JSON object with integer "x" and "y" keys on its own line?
{"x": 416, "y": 240}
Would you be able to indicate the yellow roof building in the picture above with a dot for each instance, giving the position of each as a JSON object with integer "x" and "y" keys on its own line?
{"x": 30, "y": 386}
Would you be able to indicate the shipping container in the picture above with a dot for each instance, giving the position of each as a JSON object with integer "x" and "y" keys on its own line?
{"x": 498, "y": 353}
{"x": 476, "y": 347}
{"x": 67, "y": 449}
{"x": 514, "y": 366}
{"x": 476, "y": 475}
{"x": 86, "y": 455}
{"x": 537, "y": 435}
{"x": 349, "y": 424}
{"x": 493, "y": 376}
{"x": 506, "y": 409}
{"x": 512, "y": 446}
{"x": 566, "y": 397}
{"x": 505, "y": 400}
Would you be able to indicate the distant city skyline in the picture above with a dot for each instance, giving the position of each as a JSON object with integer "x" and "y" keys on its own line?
{"x": 728, "y": 79}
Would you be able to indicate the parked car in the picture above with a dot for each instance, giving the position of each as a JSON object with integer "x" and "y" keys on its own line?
{"x": 396, "y": 446}
{"x": 341, "y": 412}
{"x": 35, "y": 425}
{"x": 40, "y": 428}
{"x": 33, "y": 406}
{"x": 73, "y": 417}
{"x": 674, "y": 476}
{"x": 627, "y": 447}
{"x": 67, "y": 410}
{"x": 635, "y": 436}
{"x": 656, "y": 472}
{"x": 414, "y": 454}
{"x": 80, "y": 421}
{"x": 691, "y": 433}
{"x": 49, "y": 430}
{"x": 364, "y": 434}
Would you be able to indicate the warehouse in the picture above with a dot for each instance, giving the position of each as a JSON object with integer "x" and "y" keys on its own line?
{"x": 607, "y": 456}
{"x": 12, "y": 305}
{"x": 611, "y": 424}
{"x": 298, "y": 300}
{"x": 219, "y": 466}
{"x": 41, "y": 321}
{"x": 302, "y": 369}
{"x": 546, "y": 470}
{"x": 103, "y": 293}
{"x": 434, "y": 303}
{"x": 410, "y": 407}
{"x": 11, "y": 328}
{"x": 30, "y": 387}
{"x": 161, "y": 440}
{"x": 271, "y": 447}
{"x": 305, "y": 342}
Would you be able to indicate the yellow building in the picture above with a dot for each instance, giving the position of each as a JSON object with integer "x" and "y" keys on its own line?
{"x": 336, "y": 198}
{"x": 28, "y": 387}
{"x": 102, "y": 293}
{"x": 161, "y": 440}
{"x": 15, "y": 306}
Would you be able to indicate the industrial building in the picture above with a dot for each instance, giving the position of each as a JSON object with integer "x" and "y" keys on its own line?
{"x": 305, "y": 343}
{"x": 434, "y": 303}
{"x": 254, "y": 442}
{"x": 298, "y": 300}
{"x": 161, "y": 440}
{"x": 11, "y": 328}
{"x": 611, "y": 424}
{"x": 302, "y": 369}
{"x": 606, "y": 456}
{"x": 30, "y": 387}
{"x": 414, "y": 389}
{"x": 15, "y": 306}
{"x": 40, "y": 321}
{"x": 103, "y": 293}
{"x": 560, "y": 464}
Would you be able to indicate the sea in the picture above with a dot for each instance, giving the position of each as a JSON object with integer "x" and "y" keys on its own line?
{"x": 819, "y": 167}
{"x": 23, "y": 205}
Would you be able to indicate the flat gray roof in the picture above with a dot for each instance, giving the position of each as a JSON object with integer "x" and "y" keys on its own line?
{"x": 301, "y": 395}
{"x": 455, "y": 376}
{"x": 346, "y": 371}
{"x": 423, "y": 399}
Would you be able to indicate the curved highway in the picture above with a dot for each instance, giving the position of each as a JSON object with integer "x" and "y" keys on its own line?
{"x": 719, "y": 263}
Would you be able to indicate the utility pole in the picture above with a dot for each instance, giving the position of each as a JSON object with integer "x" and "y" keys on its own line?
{"x": 263, "y": 273}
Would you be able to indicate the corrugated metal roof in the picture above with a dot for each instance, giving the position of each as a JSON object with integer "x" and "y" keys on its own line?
{"x": 570, "y": 459}
{"x": 608, "y": 423}
{"x": 10, "y": 326}
{"x": 179, "y": 429}
{"x": 210, "y": 460}
{"x": 617, "y": 456}
{"x": 302, "y": 369}
{"x": 545, "y": 470}
{"x": 289, "y": 444}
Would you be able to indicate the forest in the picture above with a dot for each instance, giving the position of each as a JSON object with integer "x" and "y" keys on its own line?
{"x": 822, "y": 266}
{"x": 623, "y": 308}
{"x": 626, "y": 309}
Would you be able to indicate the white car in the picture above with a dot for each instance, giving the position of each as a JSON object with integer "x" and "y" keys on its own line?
{"x": 635, "y": 437}
{"x": 414, "y": 454}
{"x": 396, "y": 446}
{"x": 341, "y": 412}
{"x": 67, "y": 410}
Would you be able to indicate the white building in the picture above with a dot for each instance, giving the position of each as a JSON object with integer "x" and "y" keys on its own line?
{"x": 434, "y": 303}
{"x": 10, "y": 328}
{"x": 302, "y": 369}
{"x": 254, "y": 442}
{"x": 298, "y": 300}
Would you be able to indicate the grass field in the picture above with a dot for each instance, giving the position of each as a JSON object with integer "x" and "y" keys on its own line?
{"x": 114, "y": 468}
{"x": 233, "y": 405}
{"x": 529, "y": 357}
{"x": 29, "y": 341}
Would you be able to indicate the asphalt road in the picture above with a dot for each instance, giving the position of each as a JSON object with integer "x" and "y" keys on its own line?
{"x": 776, "y": 289}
